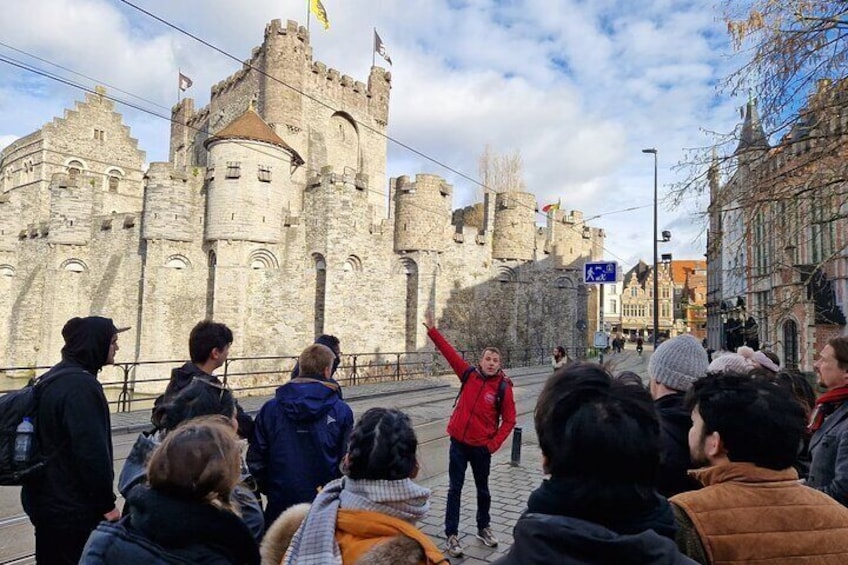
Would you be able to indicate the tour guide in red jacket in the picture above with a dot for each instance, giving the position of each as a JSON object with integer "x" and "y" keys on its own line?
{"x": 475, "y": 433}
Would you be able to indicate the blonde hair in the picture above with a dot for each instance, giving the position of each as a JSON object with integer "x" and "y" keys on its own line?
{"x": 200, "y": 460}
{"x": 315, "y": 359}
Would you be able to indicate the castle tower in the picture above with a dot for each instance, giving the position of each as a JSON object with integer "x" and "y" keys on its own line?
{"x": 287, "y": 56}
{"x": 514, "y": 226}
{"x": 249, "y": 188}
{"x": 422, "y": 213}
{"x": 169, "y": 204}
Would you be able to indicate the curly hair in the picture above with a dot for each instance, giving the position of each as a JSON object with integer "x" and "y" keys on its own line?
{"x": 382, "y": 446}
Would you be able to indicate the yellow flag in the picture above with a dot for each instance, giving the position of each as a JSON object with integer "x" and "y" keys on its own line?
{"x": 317, "y": 8}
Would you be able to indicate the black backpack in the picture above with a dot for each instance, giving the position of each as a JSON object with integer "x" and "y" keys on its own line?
{"x": 14, "y": 407}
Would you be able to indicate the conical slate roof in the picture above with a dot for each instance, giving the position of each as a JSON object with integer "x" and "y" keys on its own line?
{"x": 753, "y": 135}
{"x": 249, "y": 126}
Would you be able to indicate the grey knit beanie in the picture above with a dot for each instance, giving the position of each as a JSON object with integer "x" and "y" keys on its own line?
{"x": 678, "y": 362}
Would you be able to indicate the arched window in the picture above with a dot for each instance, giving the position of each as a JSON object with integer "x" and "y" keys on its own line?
{"x": 790, "y": 344}
{"x": 410, "y": 269}
{"x": 113, "y": 179}
{"x": 320, "y": 291}
{"x": 178, "y": 262}
{"x": 74, "y": 169}
{"x": 74, "y": 266}
{"x": 262, "y": 259}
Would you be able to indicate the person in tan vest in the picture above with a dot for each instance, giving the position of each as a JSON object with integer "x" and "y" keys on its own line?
{"x": 752, "y": 508}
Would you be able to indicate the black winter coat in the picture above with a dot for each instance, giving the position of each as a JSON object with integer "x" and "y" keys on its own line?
{"x": 73, "y": 427}
{"x": 160, "y": 529}
{"x": 544, "y": 539}
{"x": 675, "y": 422}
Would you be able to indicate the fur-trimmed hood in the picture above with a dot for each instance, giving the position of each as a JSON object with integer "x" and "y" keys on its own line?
{"x": 400, "y": 550}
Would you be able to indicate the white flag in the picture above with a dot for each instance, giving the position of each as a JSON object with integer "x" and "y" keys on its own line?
{"x": 185, "y": 82}
{"x": 380, "y": 48}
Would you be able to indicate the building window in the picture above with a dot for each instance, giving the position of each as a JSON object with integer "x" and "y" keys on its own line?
{"x": 233, "y": 169}
{"x": 99, "y": 135}
{"x": 613, "y": 306}
{"x": 264, "y": 173}
{"x": 634, "y": 291}
{"x": 74, "y": 169}
{"x": 113, "y": 179}
{"x": 666, "y": 313}
{"x": 210, "y": 173}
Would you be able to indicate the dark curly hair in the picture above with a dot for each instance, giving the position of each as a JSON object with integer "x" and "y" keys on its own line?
{"x": 382, "y": 446}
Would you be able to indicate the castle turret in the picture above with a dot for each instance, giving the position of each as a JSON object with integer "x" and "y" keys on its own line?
{"x": 287, "y": 56}
{"x": 250, "y": 188}
{"x": 422, "y": 213}
{"x": 71, "y": 208}
{"x": 169, "y": 208}
{"x": 514, "y": 226}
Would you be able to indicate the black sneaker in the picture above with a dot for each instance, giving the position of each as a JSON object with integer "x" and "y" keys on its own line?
{"x": 487, "y": 537}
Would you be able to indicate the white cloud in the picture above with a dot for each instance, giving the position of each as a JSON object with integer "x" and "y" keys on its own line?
{"x": 579, "y": 88}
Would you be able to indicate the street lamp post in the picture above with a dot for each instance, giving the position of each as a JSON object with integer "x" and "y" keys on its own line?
{"x": 653, "y": 151}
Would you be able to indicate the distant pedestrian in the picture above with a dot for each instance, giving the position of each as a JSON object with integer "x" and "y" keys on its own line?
{"x": 300, "y": 435}
{"x": 74, "y": 493}
{"x": 752, "y": 508}
{"x": 209, "y": 347}
{"x": 559, "y": 359}
{"x": 829, "y": 423}
{"x": 672, "y": 369}
{"x": 184, "y": 514}
{"x": 482, "y": 419}
{"x": 200, "y": 398}
{"x": 600, "y": 443}
{"x": 640, "y": 345}
{"x": 368, "y": 516}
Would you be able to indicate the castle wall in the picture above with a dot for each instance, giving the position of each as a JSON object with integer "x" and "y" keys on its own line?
{"x": 422, "y": 213}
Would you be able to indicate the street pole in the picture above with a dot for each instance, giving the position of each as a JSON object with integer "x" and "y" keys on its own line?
{"x": 601, "y": 323}
{"x": 656, "y": 305}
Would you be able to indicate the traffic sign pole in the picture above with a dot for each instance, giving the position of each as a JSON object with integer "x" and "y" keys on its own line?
{"x": 601, "y": 323}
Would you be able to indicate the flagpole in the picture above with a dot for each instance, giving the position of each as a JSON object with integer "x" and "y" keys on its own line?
{"x": 308, "y": 14}
{"x": 374, "y": 48}
{"x": 179, "y": 84}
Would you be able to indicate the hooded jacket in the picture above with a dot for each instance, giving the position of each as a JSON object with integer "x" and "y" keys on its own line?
{"x": 160, "y": 529}
{"x": 476, "y": 420}
{"x": 298, "y": 442}
{"x": 74, "y": 430}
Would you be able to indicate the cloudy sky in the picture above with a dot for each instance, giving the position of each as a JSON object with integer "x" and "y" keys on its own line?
{"x": 578, "y": 87}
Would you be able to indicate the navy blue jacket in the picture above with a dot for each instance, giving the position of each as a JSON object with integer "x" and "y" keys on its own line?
{"x": 299, "y": 439}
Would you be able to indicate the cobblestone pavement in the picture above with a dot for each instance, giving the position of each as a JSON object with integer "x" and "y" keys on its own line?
{"x": 510, "y": 486}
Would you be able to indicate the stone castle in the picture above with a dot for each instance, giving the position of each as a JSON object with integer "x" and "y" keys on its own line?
{"x": 273, "y": 215}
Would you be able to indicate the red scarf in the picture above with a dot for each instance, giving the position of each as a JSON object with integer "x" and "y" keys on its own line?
{"x": 825, "y": 405}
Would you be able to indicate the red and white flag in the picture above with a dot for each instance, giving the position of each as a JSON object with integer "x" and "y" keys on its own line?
{"x": 185, "y": 82}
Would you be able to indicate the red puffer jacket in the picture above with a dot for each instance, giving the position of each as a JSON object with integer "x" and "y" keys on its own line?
{"x": 475, "y": 419}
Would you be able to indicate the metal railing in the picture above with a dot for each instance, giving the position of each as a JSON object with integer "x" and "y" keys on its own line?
{"x": 135, "y": 382}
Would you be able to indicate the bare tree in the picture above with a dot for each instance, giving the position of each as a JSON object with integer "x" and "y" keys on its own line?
{"x": 501, "y": 173}
{"x": 777, "y": 184}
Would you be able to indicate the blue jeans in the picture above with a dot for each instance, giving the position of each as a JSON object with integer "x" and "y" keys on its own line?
{"x": 461, "y": 455}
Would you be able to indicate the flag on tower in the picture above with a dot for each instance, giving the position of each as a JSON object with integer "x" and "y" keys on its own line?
{"x": 317, "y": 8}
{"x": 552, "y": 207}
{"x": 185, "y": 82}
{"x": 380, "y": 48}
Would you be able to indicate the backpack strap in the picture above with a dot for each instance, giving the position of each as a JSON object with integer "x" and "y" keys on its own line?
{"x": 501, "y": 393}
{"x": 463, "y": 378}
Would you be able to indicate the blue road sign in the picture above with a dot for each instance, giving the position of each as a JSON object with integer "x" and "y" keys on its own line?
{"x": 599, "y": 273}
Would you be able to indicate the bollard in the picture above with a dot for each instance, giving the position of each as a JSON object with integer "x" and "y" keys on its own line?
{"x": 515, "y": 458}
